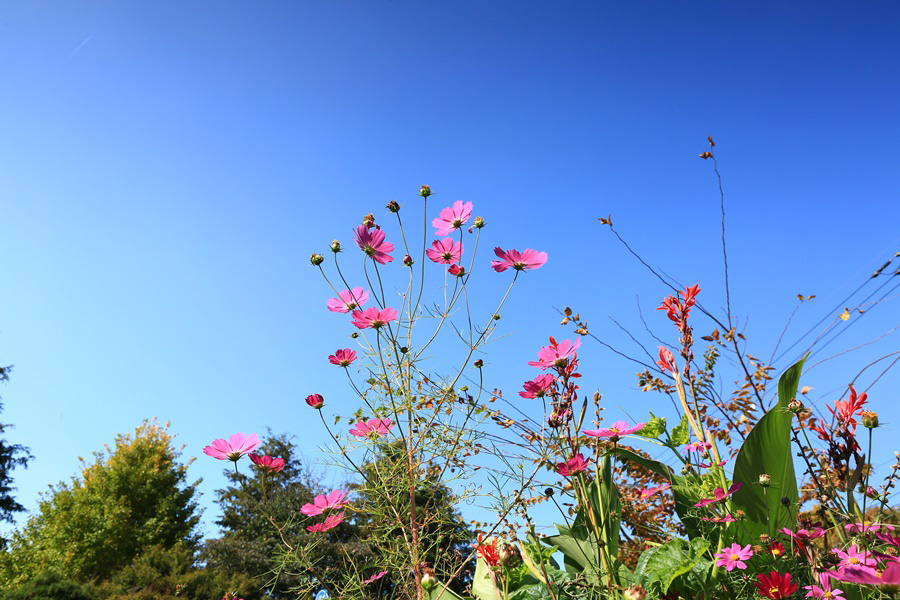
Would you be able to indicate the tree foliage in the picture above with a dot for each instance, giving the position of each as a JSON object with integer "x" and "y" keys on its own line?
{"x": 11, "y": 456}
{"x": 131, "y": 498}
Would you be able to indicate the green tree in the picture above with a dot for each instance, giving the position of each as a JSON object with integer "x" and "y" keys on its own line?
{"x": 131, "y": 498}
{"x": 11, "y": 456}
{"x": 261, "y": 521}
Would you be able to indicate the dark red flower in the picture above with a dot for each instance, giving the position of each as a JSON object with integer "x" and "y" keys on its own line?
{"x": 775, "y": 585}
{"x": 267, "y": 463}
{"x": 488, "y": 552}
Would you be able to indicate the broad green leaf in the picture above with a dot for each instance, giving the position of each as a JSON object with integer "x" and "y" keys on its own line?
{"x": 681, "y": 435}
{"x": 658, "y": 567}
{"x": 608, "y": 509}
{"x": 439, "y": 593}
{"x": 767, "y": 449}
{"x": 579, "y": 554}
{"x": 653, "y": 428}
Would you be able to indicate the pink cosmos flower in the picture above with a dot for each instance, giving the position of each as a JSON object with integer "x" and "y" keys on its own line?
{"x": 372, "y": 427}
{"x": 700, "y": 447}
{"x": 725, "y": 519}
{"x": 888, "y": 539}
{"x": 315, "y": 400}
{"x": 537, "y": 387}
{"x": 824, "y": 591}
{"x": 556, "y": 356}
{"x": 666, "y": 360}
{"x": 348, "y": 300}
{"x": 718, "y": 464}
{"x": 375, "y": 577}
{"x": 866, "y": 576}
{"x": 804, "y": 535}
{"x": 237, "y": 446}
{"x": 342, "y": 358}
{"x": 331, "y": 521}
{"x": 520, "y": 261}
{"x": 333, "y": 501}
{"x": 734, "y": 557}
{"x": 864, "y": 527}
{"x": 457, "y": 270}
{"x": 372, "y": 317}
{"x": 445, "y": 251}
{"x": 720, "y": 495}
{"x": 854, "y": 557}
{"x": 574, "y": 465}
{"x": 452, "y": 218}
{"x": 648, "y": 492}
{"x": 615, "y": 431}
{"x": 371, "y": 241}
{"x": 267, "y": 463}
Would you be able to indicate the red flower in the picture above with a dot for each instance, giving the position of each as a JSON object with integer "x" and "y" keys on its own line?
{"x": 488, "y": 552}
{"x": 775, "y": 585}
{"x": 776, "y": 549}
{"x": 666, "y": 360}
{"x": 679, "y": 310}
{"x": 315, "y": 400}
{"x": 267, "y": 463}
{"x": 845, "y": 411}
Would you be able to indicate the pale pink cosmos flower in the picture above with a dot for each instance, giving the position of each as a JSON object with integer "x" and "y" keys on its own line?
{"x": 445, "y": 251}
{"x": 372, "y": 428}
{"x": 348, "y": 300}
{"x": 333, "y": 501}
{"x": 574, "y": 465}
{"x": 343, "y": 357}
{"x": 330, "y": 522}
{"x": 237, "y": 446}
{"x": 648, "y": 492}
{"x": 824, "y": 591}
{"x": 371, "y": 241}
{"x": 267, "y": 463}
{"x": 734, "y": 557}
{"x": 854, "y": 557}
{"x": 537, "y": 387}
{"x": 375, "y": 577}
{"x": 700, "y": 447}
{"x": 720, "y": 494}
{"x": 452, "y": 218}
{"x": 520, "y": 261}
{"x": 614, "y": 431}
{"x": 556, "y": 356}
{"x": 374, "y": 318}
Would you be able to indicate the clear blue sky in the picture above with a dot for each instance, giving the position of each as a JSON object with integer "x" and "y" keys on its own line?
{"x": 166, "y": 169}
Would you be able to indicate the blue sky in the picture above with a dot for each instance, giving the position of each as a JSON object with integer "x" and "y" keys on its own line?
{"x": 167, "y": 168}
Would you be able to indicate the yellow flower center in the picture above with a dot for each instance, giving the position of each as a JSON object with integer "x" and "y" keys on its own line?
{"x": 735, "y": 557}
{"x": 853, "y": 560}
{"x": 772, "y": 591}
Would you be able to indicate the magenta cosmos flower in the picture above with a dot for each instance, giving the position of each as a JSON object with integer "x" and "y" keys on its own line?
{"x": 648, "y": 492}
{"x": 574, "y": 465}
{"x": 854, "y": 557}
{"x": 733, "y": 558}
{"x": 371, "y": 241}
{"x": 445, "y": 251}
{"x": 866, "y": 576}
{"x": 520, "y": 261}
{"x": 237, "y": 446}
{"x": 555, "y": 355}
{"x": 452, "y": 218}
{"x": 537, "y": 387}
{"x": 372, "y": 317}
{"x": 330, "y": 522}
{"x": 333, "y": 501}
{"x": 615, "y": 431}
{"x": 720, "y": 495}
{"x": 700, "y": 447}
{"x": 267, "y": 463}
{"x": 804, "y": 535}
{"x": 372, "y": 428}
{"x": 342, "y": 358}
{"x": 315, "y": 400}
{"x": 375, "y": 577}
{"x": 348, "y": 300}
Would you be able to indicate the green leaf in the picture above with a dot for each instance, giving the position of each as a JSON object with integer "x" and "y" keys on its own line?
{"x": 767, "y": 449}
{"x": 658, "y": 567}
{"x": 653, "y": 428}
{"x": 579, "y": 553}
{"x": 681, "y": 435}
{"x": 608, "y": 508}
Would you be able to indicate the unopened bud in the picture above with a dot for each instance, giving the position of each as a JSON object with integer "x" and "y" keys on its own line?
{"x": 315, "y": 400}
{"x": 393, "y": 206}
{"x": 871, "y": 492}
{"x": 335, "y": 246}
{"x": 369, "y": 220}
{"x": 869, "y": 419}
{"x": 425, "y": 191}
{"x": 429, "y": 581}
{"x": 497, "y": 317}
{"x": 785, "y": 501}
{"x": 757, "y": 549}
{"x": 635, "y": 593}
{"x": 548, "y": 492}
{"x": 407, "y": 260}
{"x": 478, "y": 222}
{"x": 403, "y": 349}
{"x": 509, "y": 555}
{"x": 479, "y": 363}
{"x": 354, "y": 335}
{"x": 464, "y": 389}
{"x": 795, "y": 406}
{"x": 765, "y": 479}
{"x": 316, "y": 259}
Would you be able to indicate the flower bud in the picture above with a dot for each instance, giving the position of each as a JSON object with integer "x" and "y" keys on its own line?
{"x": 316, "y": 259}
{"x": 785, "y": 501}
{"x": 871, "y": 492}
{"x": 429, "y": 581}
{"x": 464, "y": 389}
{"x": 369, "y": 220}
{"x": 407, "y": 260}
{"x": 457, "y": 270}
{"x": 634, "y": 593}
{"x": 497, "y": 317}
{"x": 403, "y": 349}
{"x": 869, "y": 419}
{"x": 509, "y": 555}
{"x": 548, "y": 492}
{"x": 795, "y": 406}
{"x": 757, "y": 548}
{"x": 315, "y": 400}
{"x": 764, "y": 538}
{"x": 479, "y": 363}
{"x": 425, "y": 191}
{"x": 478, "y": 223}
{"x": 354, "y": 335}
{"x": 765, "y": 479}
